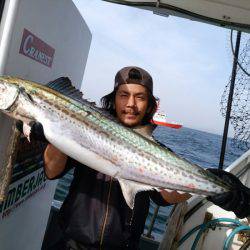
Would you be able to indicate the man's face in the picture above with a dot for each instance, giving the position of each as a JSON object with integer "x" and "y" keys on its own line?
{"x": 131, "y": 103}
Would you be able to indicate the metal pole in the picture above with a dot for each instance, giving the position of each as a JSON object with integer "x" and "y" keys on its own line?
{"x": 152, "y": 222}
{"x": 230, "y": 100}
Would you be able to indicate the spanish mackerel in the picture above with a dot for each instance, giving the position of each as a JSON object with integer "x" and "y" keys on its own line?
{"x": 91, "y": 136}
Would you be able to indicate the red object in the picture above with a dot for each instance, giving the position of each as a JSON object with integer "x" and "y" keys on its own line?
{"x": 36, "y": 49}
{"x": 167, "y": 124}
{"x": 160, "y": 118}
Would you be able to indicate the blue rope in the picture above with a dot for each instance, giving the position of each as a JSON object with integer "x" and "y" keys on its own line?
{"x": 187, "y": 235}
{"x": 232, "y": 234}
{"x": 211, "y": 223}
{"x": 203, "y": 227}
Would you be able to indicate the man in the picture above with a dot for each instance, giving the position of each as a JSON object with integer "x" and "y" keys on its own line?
{"x": 95, "y": 215}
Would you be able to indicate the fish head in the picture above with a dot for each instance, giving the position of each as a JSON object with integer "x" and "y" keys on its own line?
{"x": 8, "y": 94}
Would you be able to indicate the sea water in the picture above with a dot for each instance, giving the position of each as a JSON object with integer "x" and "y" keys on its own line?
{"x": 196, "y": 146}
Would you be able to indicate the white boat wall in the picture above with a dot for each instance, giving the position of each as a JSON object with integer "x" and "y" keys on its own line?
{"x": 39, "y": 41}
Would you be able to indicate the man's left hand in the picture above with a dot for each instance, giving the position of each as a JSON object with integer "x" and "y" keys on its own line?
{"x": 237, "y": 199}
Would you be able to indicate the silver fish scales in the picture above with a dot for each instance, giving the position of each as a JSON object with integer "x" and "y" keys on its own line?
{"x": 91, "y": 136}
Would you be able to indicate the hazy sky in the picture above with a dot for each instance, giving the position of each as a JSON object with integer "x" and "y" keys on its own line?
{"x": 190, "y": 62}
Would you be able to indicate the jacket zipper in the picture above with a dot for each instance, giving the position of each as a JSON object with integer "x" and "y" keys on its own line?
{"x": 106, "y": 213}
{"x": 132, "y": 217}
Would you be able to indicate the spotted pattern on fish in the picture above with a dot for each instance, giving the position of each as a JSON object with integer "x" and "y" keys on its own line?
{"x": 90, "y": 136}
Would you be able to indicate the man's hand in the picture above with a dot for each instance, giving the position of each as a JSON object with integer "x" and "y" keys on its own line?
{"x": 54, "y": 161}
{"x": 173, "y": 197}
{"x": 237, "y": 199}
{"x": 34, "y": 130}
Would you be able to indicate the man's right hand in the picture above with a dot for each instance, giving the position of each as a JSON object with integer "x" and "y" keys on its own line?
{"x": 36, "y": 131}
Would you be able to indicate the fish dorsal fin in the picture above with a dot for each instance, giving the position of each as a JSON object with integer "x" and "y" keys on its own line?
{"x": 131, "y": 188}
{"x": 65, "y": 87}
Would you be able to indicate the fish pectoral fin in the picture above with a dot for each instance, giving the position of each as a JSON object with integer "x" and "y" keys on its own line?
{"x": 130, "y": 189}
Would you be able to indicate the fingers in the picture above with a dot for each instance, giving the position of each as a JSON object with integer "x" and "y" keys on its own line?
{"x": 19, "y": 126}
{"x": 23, "y": 128}
{"x": 32, "y": 131}
{"x": 37, "y": 132}
{"x": 26, "y": 131}
{"x": 174, "y": 196}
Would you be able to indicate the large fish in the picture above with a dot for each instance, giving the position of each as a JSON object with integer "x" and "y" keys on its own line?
{"x": 92, "y": 137}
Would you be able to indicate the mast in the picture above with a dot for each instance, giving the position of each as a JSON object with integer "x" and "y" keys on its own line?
{"x": 230, "y": 100}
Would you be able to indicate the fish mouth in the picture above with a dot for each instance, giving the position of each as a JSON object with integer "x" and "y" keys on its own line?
{"x": 8, "y": 97}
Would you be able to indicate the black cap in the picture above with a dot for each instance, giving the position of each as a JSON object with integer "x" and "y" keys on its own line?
{"x": 134, "y": 75}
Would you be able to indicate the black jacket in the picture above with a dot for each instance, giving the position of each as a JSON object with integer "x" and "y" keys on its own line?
{"x": 95, "y": 213}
